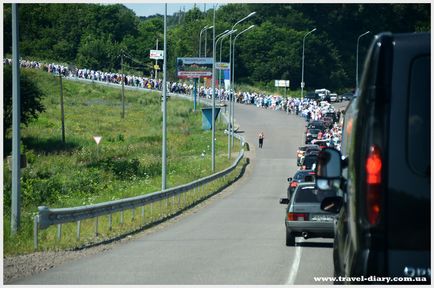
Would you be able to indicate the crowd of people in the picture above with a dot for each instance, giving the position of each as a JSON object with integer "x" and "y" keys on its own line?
{"x": 308, "y": 109}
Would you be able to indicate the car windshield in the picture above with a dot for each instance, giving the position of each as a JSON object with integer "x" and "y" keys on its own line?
{"x": 309, "y": 194}
{"x": 314, "y": 131}
{"x": 313, "y": 148}
{"x": 301, "y": 174}
{"x": 309, "y": 161}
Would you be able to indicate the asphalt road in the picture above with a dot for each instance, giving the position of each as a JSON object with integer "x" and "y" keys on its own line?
{"x": 237, "y": 239}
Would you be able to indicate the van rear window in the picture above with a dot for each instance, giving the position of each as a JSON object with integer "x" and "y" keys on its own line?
{"x": 419, "y": 118}
{"x": 312, "y": 195}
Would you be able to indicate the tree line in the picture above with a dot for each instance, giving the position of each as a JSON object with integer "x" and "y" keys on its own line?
{"x": 95, "y": 36}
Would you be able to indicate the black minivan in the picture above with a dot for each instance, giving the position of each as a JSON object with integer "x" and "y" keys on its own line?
{"x": 383, "y": 172}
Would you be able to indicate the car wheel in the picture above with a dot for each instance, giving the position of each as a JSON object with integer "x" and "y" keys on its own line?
{"x": 290, "y": 238}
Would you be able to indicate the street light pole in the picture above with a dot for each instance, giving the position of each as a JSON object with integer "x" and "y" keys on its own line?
{"x": 302, "y": 63}
{"x": 200, "y": 38}
{"x": 233, "y": 80}
{"x": 197, "y": 81}
{"x": 222, "y": 37}
{"x": 213, "y": 92}
{"x": 230, "y": 128}
{"x": 357, "y": 60}
{"x": 206, "y": 38}
{"x": 164, "y": 156}
{"x": 16, "y": 119}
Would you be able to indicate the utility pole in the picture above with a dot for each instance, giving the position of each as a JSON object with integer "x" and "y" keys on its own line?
{"x": 16, "y": 119}
{"x": 62, "y": 112}
{"x": 123, "y": 80}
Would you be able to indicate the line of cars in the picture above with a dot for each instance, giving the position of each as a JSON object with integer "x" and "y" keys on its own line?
{"x": 375, "y": 194}
{"x": 326, "y": 95}
{"x": 304, "y": 216}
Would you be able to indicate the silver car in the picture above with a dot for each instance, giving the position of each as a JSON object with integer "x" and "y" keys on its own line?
{"x": 304, "y": 216}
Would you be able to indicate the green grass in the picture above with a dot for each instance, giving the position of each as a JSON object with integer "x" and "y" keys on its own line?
{"x": 127, "y": 162}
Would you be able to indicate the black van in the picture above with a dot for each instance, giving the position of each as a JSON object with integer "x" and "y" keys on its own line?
{"x": 383, "y": 173}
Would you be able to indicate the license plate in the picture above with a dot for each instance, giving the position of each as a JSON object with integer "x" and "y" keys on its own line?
{"x": 321, "y": 218}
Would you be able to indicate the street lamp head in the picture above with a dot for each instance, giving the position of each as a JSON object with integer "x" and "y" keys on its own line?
{"x": 251, "y": 14}
{"x": 313, "y": 30}
{"x": 222, "y": 34}
{"x": 210, "y": 27}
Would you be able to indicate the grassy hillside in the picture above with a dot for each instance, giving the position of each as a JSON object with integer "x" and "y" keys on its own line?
{"x": 128, "y": 161}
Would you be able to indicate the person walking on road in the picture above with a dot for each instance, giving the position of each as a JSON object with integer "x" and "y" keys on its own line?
{"x": 261, "y": 139}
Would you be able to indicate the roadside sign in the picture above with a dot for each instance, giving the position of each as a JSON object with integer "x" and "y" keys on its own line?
{"x": 281, "y": 83}
{"x": 194, "y": 67}
{"x": 222, "y": 66}
{"x": 156, "y": 54}
{"x": 302, "y": 84}
{"x": 156, "y": 67}
{"x": 97, "y": 139}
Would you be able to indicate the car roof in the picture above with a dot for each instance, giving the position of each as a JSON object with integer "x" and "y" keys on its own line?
{"x": 304, "y": 171}
{"x": 306, "y": 185}
{"x": 316, "y": 147}
{"x": 308, "y": 145}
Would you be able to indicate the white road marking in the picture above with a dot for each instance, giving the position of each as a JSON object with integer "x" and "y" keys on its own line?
{"x": 294, "y": 267}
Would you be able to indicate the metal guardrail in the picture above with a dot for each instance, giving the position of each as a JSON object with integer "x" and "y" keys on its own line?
{"x": 57, "y": 216}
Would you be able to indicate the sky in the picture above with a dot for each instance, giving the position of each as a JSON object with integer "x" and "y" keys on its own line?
{"x": 147, "y": 9}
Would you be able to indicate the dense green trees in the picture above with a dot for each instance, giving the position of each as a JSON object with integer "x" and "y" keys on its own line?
{"x": 31, "y": 100}
{"x": 93, "y": 36}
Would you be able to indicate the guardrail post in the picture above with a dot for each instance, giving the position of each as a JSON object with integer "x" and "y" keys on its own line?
{"x": 59, "y": 232}
{"x": 110, "y": 222}
{"x": 133, "y": 214}
{"x": 143, "y": 215}
{"x": 179, "y": 200}
{"x": 185, "y": 199}
{"x": 35, "y": 232}
{"x": 152, "y": 210}
{"x": 96, "y": 226}
{"x": 201, "y": 195}
{"x": 78, "y": 229}
{"x": 173, "y": 204}
{"x": 122, "y": 217}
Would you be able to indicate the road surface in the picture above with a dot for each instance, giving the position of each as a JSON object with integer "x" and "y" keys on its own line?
{"x": 238, "y": 239}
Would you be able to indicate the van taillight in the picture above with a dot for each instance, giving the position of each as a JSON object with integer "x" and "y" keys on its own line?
{"x": 297, "y": 216}
{"x": 373, "y": 166}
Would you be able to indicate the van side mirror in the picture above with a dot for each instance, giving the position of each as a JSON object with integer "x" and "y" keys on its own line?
{"x": 332, "y": 204}
{"x": 328, "y": 169}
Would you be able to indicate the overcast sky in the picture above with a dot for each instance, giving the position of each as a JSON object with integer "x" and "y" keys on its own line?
{"x": 147, "y": 9}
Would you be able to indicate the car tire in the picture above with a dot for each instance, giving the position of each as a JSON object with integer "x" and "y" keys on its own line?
{"x": 290, "y": 239}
